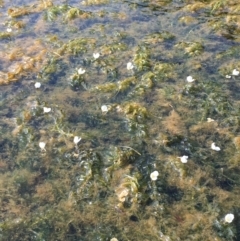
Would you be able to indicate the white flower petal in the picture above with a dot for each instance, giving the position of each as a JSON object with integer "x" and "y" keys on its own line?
{"x": 129, "y": 66}
{"x": 81, "y": 71}
{"x": 154, "y": 175}
{"x": 235, "y": 72}
{"x": 96, "y": 55}
{"x": 229, "y": 218}
{"x": 46, "y": 109}
{"x": 210, "y": 120}
{"x": 42, "y": 145}
{"x": 76, "y": 139}
{"x": 190, "y": 79}
{"x": 104, "y": 108}
{"x": 37, "y": 85}
{"x": 214, "y": 147}
{"x": 184, "y": 159}
{"x": 228, "y": 76}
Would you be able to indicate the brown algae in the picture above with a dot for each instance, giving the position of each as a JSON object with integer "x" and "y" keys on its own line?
{"x": 113, "y": 105}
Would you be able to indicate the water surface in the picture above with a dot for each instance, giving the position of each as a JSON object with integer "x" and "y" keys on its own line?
{"x": 127, "y": 88}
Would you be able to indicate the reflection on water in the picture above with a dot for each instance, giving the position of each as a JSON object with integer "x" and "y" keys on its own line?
{"x": 119, "y": 120}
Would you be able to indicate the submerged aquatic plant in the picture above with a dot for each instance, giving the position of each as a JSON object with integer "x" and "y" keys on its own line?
{"x": 18, "y": 11}
{"x": 5, "y": 35}
{"x": 191, "y": 48}
{"x": 97, "y": 185}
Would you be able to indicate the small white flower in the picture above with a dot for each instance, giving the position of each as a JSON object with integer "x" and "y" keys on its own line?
{"x": 184, "y": 159}
{"x": 96, "y": 55}
{"x": 104, "y": 108}
{"x": 210, "y": 120}
{"x": 214, "y": 147}
{"x": 81, "y": 71}
{"x": 113, "y": 239}
{"x": 37, "y": 85}
{"x": 129, "y": 66}
{"x": 190, "y": 79}
{"x": 229, "y": 218}
{"x": 46, "y": 109}
{"x": 235, "y": 72}
{"x": 9, "y": 30}
{"x": 228, "y": 76}
{"x": 154, "y": 175}
{"x": 76, "y": 139}
{"x": 42, "y": 145}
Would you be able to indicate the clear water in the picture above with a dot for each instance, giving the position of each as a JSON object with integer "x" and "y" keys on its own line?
{"x": 165, "y": 86}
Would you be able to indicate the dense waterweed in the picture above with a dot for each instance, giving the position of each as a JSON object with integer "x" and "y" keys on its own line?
{"x": 98, "y": 186}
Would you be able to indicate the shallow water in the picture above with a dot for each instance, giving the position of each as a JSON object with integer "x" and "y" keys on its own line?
{"x": 78, "y": 153}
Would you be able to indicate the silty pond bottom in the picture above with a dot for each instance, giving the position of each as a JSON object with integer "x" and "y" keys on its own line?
{"x": 120, "y": 120}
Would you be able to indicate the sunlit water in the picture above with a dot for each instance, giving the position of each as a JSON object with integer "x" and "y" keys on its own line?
{"x": 119, "y": 120}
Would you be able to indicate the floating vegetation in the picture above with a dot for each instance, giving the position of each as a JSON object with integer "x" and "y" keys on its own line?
{"x": 163, "y": 71}
{"x": 68, "y": 12}
{"x": 18, "y": 12}
{"x": 76, "y": 46}
{"x": 158, "y": 37}
{"x": 142, "y": 58}
{"x": 134, "y": 111}
{"x": 187, "y": 20}
{"x": 112, "y": 48}
{"x": 108, "y": 87}
{"x": 73, "y": 13}
{"x": 6, "y": 35}
{"x": 121, "y": 121}
{"x": 95, "y": 2}
{"x": 77, "y": 80}
{"x": 125, "y": 84}
{"x": 52, "y": 12}
{"x": 191, "y": 49}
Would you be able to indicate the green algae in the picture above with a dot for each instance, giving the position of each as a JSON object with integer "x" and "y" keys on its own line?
{"x": 67, "y": 13}
{"x": 5, "y": 36}
{"x": 100, "y": 187}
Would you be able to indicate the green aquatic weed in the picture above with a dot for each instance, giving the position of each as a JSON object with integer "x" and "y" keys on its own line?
{"x": 155, "y": 38}
{"x": 217, "y": 4}
{"x": 76, "y": 46}
{"x": 74, "y": 12}
{"x": 16, "y": 12}
{"x": 191, "y": 48}
{"x": 53, "y": 12}
{"x": 134, "y": 111}
{"x": 120, "y": 156}
{"x": 106, "y": 88}
{"x": 163, "y": 71}
{"x": 5, "y": 35}
{"x": 142, "y": 58}
{"x": 113, "y": 47}
{"x": 77, "y": 81}
{"x": 125, "y": 84}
